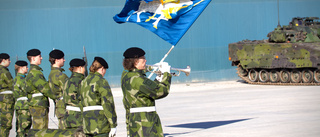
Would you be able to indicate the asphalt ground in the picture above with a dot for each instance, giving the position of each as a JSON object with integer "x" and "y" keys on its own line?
{"x": 230, "y": 109}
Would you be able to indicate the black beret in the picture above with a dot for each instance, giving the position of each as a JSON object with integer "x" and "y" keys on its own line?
{"x": 56, "y": 54}
{"x": 33, "y": 52}
{"x": 77, "y": 62}
{"x": 21, "y": 63}
{"x": 133, "y": 52}
{"x": 102, "y": 62}
{"x": 4, "y": 56}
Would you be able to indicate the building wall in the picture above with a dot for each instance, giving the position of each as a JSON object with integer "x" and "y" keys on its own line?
{"x": 70, "y": 25}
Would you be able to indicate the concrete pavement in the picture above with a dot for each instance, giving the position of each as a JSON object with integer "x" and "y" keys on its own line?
{"x": 231, "y": 109}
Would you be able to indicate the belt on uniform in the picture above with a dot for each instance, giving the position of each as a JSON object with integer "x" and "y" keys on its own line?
{"x": 22, "y": 98}
{"x": 37, "y": 94}
{"x": 142, "y": 109}
{"x": 89, "y": 108}
{"x": 73, "y": 108}
{"x": 6, "y": 92}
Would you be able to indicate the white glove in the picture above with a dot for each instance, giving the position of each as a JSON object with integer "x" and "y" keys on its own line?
{"x": 159, "y": 77}
{"x": 164, "y": 67}
{"x": 113, "y": 131}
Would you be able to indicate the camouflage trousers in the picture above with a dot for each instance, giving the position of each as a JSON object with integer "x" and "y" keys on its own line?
{"x": 40, "y": 117}
{"x": 98, "y": 135}
{"x": 95, "y": 122}
{"x": 56, "y": 133}
{"x": 60, "y": 112}
{"x": 73, "y": 119}
{"x": 145, "y": 124}
{"x": 6, "y": 114}
{"x": 23, "y": 122}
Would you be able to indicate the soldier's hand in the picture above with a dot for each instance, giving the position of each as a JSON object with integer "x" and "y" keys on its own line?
{"x": 113, "y": 132}
{"x": 164, "y": 67}
{"x": 159, "y": 77}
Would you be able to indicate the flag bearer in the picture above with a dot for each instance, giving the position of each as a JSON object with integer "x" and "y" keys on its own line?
{"x": 38, "y": 91}
{"x": 71, "y": 94}
{"x": 6, "y": 96}
{"x": 56, "y": 80}
{"x": 23, "y": 117}
{"x": 140, "y": 93}
{"x": 99, "y": 114}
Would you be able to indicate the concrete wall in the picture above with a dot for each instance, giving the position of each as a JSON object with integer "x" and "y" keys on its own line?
{"x": 70, "y": 25}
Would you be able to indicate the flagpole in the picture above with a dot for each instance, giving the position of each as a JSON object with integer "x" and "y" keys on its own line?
{"x": 165, "y": 56}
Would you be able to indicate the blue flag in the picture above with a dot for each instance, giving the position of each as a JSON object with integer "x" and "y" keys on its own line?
{"x": 169, "y": 19}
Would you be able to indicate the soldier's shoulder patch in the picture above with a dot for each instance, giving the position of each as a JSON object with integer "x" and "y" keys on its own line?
{"x": 147, "y": 82}
{"x": 151, "y": 84}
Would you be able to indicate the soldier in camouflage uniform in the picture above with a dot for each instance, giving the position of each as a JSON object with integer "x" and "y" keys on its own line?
{"x": 73, "y": 117}
{"x": 6, "y": 96}
{"x": 56, "y": 80}
{"x": 140, "y": 93}
{"x": 23, "y": 117}
{"x": 99, "y": 114}
{"x": 71, "y": 94}
{"x": 38, "y": 91}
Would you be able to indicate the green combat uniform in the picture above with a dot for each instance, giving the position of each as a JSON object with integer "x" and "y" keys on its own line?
{"x": 23, "y": 117}
{"x": 56, "y": 133}
{"x": 56, "y": 80}
{"x": 38, "y": 92}
{"x": 139, "y": 98}
{"x": 6, "y": 101}
{"x": 99, "y": 114}
{"x": 71, "y": 97}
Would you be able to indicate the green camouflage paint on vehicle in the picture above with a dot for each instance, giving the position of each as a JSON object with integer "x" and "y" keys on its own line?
{"x": 292, "y": 51}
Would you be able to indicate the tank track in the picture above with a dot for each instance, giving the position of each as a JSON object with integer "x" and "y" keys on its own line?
{"x": 245, "y": 77}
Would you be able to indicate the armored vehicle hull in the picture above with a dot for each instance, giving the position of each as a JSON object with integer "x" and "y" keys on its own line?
{"x": 260, "y": 62}
{"x": 292, "y": 61}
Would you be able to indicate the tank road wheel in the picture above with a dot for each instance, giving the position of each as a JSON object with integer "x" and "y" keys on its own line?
{"x": 307, "y": 76}
{"x": 274, "y": 76}
{"x": 242, "y": 71}
{"x": 317, "y": 76}
{"x": 284, "y": 76}
{"x": 295, "y": 76}
{"x": 263, "y": 75}
{"x": 253, "y": 75}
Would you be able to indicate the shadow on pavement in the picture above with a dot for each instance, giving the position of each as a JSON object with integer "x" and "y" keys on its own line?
{"x": 202, "y": 125}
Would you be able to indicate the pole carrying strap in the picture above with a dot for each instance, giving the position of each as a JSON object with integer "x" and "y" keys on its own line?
{"x": 89, "y": 108}
{"x": 22, "y": 98}
{"x": 143, "y": 109}
{"x": 73, "y": 108}
{"x": 6, "y": 92}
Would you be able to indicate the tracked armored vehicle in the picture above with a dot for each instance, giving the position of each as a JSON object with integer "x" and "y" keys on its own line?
{"x": 291, "y": 55}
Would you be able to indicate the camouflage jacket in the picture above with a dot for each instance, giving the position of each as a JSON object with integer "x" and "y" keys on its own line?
{"x": 95, "y": 90}
{"x": 19, "y": 91}
{"x": 6, "y": 80}
{"x": 139, "y": 91}
{"x": 36, "y": 83}
{"x": 6, "y": 84}
{"x": 71, "y": 93}
{"x": 56, "y": 80}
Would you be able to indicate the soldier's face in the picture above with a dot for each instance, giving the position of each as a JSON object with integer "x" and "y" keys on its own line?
{"x": 61, "y": 62}
{"x": 6, "y": 62}
{"x": 37, "y": 60}
{"x": 141, "y": 63}
{"x": 24, "y": 69}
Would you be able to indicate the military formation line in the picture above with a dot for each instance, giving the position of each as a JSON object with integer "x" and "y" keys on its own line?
{"x": 84, "y": 104}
